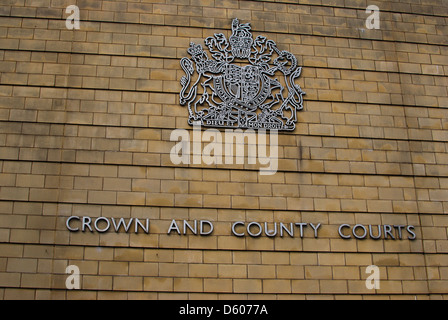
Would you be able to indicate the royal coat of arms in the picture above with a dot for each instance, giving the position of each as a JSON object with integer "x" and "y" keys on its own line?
{"x": 242, "y": 84}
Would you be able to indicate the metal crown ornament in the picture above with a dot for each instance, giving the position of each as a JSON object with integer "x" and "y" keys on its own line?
{"x": 241, "y": 85}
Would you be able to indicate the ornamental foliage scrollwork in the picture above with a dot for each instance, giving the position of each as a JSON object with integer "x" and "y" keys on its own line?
{"x": 241, "y": 82}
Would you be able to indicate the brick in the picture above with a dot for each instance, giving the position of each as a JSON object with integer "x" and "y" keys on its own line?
{"x": 369, "y": 148}
{"x": 158, "y": 284}
{"x": 188, "y": 284}
{"x": 218, "y": 285}
{"x": 97, "y": 282}
{"x": 127, "y": 283}
{"x": 113, "y": 268}
{"x": 333, "y": 286}
{"x": 247, "y": 286}
{"x": 305, "y": 286}
{"x": 276, "y": 286}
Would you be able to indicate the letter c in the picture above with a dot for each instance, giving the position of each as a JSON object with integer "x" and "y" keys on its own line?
{"x": 68, "y": 223}
{"x": 233, "y": 229}
{"x": 340, "y": 231}
{"x": 260, "y": 229}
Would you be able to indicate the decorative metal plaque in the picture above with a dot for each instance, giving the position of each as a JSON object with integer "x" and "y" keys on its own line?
{"x": 243, "y": 84}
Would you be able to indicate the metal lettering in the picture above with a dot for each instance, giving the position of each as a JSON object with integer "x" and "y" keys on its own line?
{"x": 201, "y": 227}
{"x": 289, "y": 231}
{"x": 86, "y": 223}
{"x": 121, "y": 222}
{"x": 145, "y": 228}
{"x": 399, "y": 227}
{"x": 259, "y": 229}
{"x": 315, "y": 229}
{"x": 371, "y": 233}
{"x": 356, "y": 235}
{"x": 173, "y": 227}
{"x": 340, "y": 231}
{"x": 301, "y": 225}
{"x": 101, "y": 219}
{"x": 67, "y": 223}
{"x": 188, "y": 226}
{"x": 233, "y": 229}
{"x": 267, "y": 231}
{"x": 387, "y": 231}
{"x": 411, "y": 232}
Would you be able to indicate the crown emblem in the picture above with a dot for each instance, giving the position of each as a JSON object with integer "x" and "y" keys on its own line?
{"x": 241, "y": 40}
{"x": 220, "y": 93}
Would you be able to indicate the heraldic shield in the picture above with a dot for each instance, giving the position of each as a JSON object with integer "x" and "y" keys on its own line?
{"x": 244, "y": 83}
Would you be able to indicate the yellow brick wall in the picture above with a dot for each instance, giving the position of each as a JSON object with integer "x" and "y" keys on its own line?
{"x": 85, "y": 123}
